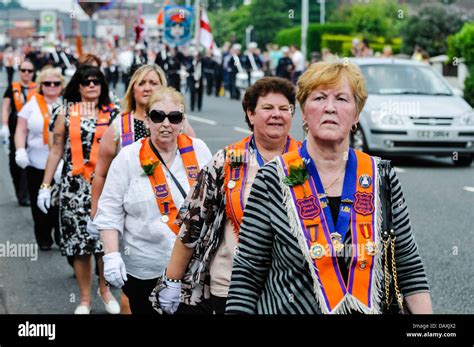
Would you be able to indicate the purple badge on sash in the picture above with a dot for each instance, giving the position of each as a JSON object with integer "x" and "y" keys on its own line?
{"x": 127, "y": 139}
{"x": 192, "y": 172}
{"x": 308, "y": 208}
{"x": 161, "y": 191}
{"x": 364, "y": 203}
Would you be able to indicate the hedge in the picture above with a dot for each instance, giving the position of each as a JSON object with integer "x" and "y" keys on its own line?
{"x": 342, "y": 44}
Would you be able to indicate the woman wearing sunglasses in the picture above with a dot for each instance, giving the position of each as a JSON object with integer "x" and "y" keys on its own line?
{"x": 204, "y": 251}
{"x": 31, "y": 141}
{"x": 146, "y": 185}
{"x": 17, "y": 94}
{"x": 77, "y": 133}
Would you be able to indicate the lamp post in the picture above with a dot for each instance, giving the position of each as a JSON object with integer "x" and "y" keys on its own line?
{"x": 304, "y": 26}
{"x": 248, "y": 33}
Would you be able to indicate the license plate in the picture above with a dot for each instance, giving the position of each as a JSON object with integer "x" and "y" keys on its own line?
{"x": 432, "y": 134}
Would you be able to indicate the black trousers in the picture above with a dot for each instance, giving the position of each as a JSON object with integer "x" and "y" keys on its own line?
{"x": 214, "y": 305}
{"x": 138, "y": 291}
{"x": 44, "y": 224}
{"x": 209, "y": 82}
{"x": 196, "y": 93}
{"x": 10, "y": 73}
{"x": 18, "y": 176}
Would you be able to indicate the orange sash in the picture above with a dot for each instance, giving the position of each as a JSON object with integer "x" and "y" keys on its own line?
{"x": 163, "y": 196}
{"x": 234, "y": 192}
{"x": 77, "y": 156}
{"x": 309, "y": 211}
{"x": 46, "y": 115}
{"x": 126, "y": 130}
{"x": 16, "y": 87}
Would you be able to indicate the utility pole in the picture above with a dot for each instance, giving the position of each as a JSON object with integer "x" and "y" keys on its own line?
{"x": 197, "y": 9}
{"x": 322, "y": 12}
{"x": 304, "y": 26}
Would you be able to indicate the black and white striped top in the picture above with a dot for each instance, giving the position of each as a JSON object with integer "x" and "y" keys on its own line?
{"x": 270, "y": 274}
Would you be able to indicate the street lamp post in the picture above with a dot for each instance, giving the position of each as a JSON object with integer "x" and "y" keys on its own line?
{"x": 304, "y": 26}
{"x": 322, "y": 12}
{"x": 248, "y": 33}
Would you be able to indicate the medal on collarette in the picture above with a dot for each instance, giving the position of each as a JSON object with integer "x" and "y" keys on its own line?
{"x": 336, "y": 239}
{"x": 231, "y": 184}
{"x": 165, "y": 218}
{"x": 316, "y": 251}
{"x": 371, "y": 248}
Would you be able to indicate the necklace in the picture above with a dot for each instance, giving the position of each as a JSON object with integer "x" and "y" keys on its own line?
{"x": 338, "y": 176}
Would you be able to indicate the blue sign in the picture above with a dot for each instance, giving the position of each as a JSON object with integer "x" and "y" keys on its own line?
{"x": 178, "y": 25}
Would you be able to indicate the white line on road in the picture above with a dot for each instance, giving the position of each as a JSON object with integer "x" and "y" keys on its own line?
{"x": 201, "y": 120}
{"x": 399, "y": 170}
{"x": 469, "y": 189}
{"x": 242, "y": 130}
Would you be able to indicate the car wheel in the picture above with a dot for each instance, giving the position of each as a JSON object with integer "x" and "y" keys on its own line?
{"x": 358, "y": 141}
{"x": 463, "y": 160}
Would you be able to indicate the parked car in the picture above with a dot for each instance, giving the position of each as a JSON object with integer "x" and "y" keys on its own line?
{"x": 411, "y": 109}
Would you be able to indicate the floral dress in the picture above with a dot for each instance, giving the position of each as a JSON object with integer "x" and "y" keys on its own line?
{"x": 75, "y": 196}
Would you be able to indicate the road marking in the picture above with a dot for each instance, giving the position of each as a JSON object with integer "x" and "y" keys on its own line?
{"x": 469, "y": 189}
{"x": 242, "y": 130}
{"x": 399, "y": 170}
{"x": 201, "y": 120}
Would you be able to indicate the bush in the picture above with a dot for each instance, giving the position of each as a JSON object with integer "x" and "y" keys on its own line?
{"x": 431, "y": 28}
{"x": 342, "y": 44}
{"x": 462, "y": 45}
{"x": 291, "y": 36}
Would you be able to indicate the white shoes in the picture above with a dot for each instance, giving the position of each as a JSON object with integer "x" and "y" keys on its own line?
{"x": 112, "y": 307}
{"x": 82, "y": 309}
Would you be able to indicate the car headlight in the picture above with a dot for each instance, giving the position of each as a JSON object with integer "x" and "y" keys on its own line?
{"x": 382, "y": 118}
{"x": 467, "y": 118}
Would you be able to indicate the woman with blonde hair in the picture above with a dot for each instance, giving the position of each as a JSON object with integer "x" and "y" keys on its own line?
{"x": 31, "y": 141}
{"x": 146, "y": 185}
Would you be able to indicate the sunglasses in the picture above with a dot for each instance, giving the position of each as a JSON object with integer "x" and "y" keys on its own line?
{"x": 27, "y": 70}
{"x": 86, "y": 83}
{"x": 51, "y": 84}
{"x": 158, "y": 116}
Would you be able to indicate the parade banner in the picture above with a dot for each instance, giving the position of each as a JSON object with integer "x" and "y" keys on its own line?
{"x": 178, "y": 25}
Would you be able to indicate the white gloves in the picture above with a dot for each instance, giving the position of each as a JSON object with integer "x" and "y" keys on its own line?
{"x": 169, "y": 297}
{"x": 5, "y": 132}
{"x": 92, "y": 230}
{"x": 44, "y": 199}
{"x": 21, "y": 158}
{"x": 114, "y": 269}
{"x": 59, "y": 171}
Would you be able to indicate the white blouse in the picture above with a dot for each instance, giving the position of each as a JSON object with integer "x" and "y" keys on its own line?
{"x": 128, "y": 204}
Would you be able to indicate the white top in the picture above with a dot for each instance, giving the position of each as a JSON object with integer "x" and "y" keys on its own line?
{"x": 37, "y": 150}
{"x": 298, "y": 60}
{"x": 128, "y": 204}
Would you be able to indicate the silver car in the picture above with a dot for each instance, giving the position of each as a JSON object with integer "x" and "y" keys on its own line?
{"x": 411, "y": 109}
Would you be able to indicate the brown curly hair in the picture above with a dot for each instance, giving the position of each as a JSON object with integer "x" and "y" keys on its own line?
{"x": 262, "y": 88}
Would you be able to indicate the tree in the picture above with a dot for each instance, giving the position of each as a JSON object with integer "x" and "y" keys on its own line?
{"x": 430, "y": 29}
{"x": 229, "y": 25}
{"x": 267, "y": 17}
{"x": 376, "y": 18}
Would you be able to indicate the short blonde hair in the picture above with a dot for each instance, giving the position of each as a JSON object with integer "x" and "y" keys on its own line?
{"x": 166, "y": 93}
{"x": 48, "y": 71}
{"x": 129, "y": 103}
{"x": 330, "y": 74}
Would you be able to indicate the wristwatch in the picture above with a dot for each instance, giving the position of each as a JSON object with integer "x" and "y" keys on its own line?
{"x": 45, "y": 186}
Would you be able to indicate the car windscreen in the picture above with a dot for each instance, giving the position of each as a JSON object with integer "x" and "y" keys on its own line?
{"x": 403, "y": 79}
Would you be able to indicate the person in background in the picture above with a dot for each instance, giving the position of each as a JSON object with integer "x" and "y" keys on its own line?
{"x": 285, "y": 67}
{"x": 298, "y": 61}
{"x": 17, "y": 94}
{"x": 31, "y": 142}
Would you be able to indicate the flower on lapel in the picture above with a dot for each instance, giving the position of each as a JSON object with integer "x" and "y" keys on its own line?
{"x": 149, "y": 166}
{"x": 297, "y": 173}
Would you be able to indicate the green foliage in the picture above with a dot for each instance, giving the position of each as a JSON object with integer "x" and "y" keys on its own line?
{"x": 291, "y": 36}
{"x": 462, "y": 45}
{"x": 430, "y": 29}
{"x": 342, "y": 44}
{"x": 267, "y": 17}
{"x": 230, "y": 25}
{"x": 375, "y": 18}
{"x": 298, "y": 175}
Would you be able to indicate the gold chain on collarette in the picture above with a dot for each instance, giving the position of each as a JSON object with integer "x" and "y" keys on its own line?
{"x": 394, "y": 271}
